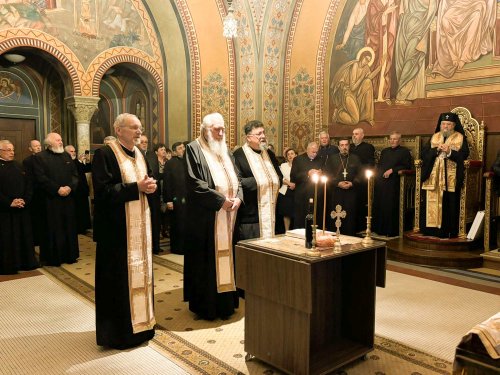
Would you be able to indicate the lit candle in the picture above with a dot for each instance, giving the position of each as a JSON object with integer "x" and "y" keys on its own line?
{"x": 324, "y": 179}
{"x": 369, "y": 174}
{"x": 315, "y": 178}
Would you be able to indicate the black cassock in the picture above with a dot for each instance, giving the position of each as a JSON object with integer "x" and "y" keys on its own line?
{"x": 16, "y": 240}
{"x": 386, "y": 190}
{"x": 59, "y": 242}
{"x": 304, "y": 188}
{"x": 175, "y": 191}
{"x": 347, "y": 198}
{"x": 247, "y": 222}
{"x": 366, "y": 154}
{"x": 155, "y": 201}
{"x": 82, "y": 198}
{"x": 113, "y": 318}
{"x": 451, "y": 200}
{"x": 37, "y": 206}
{"x": 200, "y": 286}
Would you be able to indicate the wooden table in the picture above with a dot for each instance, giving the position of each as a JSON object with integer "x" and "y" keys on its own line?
{"x": 309, "y": 315}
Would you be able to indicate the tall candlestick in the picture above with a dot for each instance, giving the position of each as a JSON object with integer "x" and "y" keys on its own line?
{"x": 369, "y": 174}
{"x": 315, "y": 178}
{"x": 324, "y": 179}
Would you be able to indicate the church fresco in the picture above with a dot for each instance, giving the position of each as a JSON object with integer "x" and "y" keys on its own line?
{"x": 13, "y": 90}
{"x": 86, "y": 26}
{"x": 400, "y": 52}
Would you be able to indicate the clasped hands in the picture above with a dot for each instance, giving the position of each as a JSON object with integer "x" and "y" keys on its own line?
{"x": 444, "y": 148}
{"x": 345, "y": 185}
{"x": 18, "y": 203}
{"x": 231, "y": 204}
{"x": 64, "y": 191}
{"x": 147, "y": 185}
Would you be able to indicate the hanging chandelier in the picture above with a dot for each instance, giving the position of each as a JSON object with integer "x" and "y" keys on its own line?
{"x": 230, "y": 24}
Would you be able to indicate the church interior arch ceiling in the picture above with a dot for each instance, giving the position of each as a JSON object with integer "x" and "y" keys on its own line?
{"x": 77, "y": 32}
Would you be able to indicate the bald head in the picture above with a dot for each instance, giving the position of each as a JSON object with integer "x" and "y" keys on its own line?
{"x": 35, "y": 146}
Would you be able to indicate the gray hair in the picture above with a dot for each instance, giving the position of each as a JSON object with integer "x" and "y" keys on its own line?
{"x": 121, "y": 120}
{"x": 5, "y": 142}
{"x": 210, "y": 119}
{"x": 108, "y": 139}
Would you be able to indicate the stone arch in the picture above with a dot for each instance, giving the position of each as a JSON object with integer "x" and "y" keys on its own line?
{"x": 117, "y": 55}
{"x": 13, "y": 38}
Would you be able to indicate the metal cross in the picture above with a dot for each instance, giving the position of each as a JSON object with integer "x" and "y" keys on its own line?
{"x": 338, "y": 214}
{"x": 344, "y": 173}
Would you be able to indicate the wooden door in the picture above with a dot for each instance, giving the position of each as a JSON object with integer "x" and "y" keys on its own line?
{"x": 19, "y": 132}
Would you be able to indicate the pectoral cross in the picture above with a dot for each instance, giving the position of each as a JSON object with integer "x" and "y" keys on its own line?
{"x": 338, "y": 214}
{"x": 345, "y": 173}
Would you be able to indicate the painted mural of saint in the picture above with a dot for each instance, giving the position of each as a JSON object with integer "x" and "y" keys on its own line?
{"x": 352, "y": 90}
{"x": 85, "y": 26}
{"x": 381, "y": 28}
{"x": 354, "y": 36}
{"x": 465, "y": 30}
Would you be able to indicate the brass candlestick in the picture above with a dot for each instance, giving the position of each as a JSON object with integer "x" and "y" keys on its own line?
{"x": 314, "y": 252}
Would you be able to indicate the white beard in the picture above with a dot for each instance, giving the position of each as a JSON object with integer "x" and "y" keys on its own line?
{"x": 263, "y": 146}
{"x": 57, "y": 149}
{"x": 218, "y": 147}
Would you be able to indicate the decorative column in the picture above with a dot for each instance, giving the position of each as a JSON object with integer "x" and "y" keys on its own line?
{"x": 82, "y": 107}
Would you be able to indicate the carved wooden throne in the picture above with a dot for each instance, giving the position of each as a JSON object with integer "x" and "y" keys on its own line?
{"x": 470, "y": 198}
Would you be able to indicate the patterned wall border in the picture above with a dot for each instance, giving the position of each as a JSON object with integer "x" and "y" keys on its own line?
{"x": 272, "y": 70}
{"x": 157, "y": 62}
{"x": 231, "y": 54}
{"x": 286, "y": 73}
{"x": 12, "y": 38}
{"x": 195, "y": 63}
{"x": 113, "y": 56}
{"x": 320, "y": 63}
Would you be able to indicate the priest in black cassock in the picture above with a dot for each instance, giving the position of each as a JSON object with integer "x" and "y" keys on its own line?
{"x": 366, "y": 154}
{"x": 214, "y": 196}
{"x": 16, "y": 241}
{"x": 386, "y": 190}
{"x": 37, "y": 204}
{"x": 82, "y": 191}
{"x": 57, "y": 177}
{"x": 122, "y": 229}
{"x": 175, "y": 196}
{"x": 303, "y": 167}
{"x": 343, "y": 172}
{"x": 261, "y": 179}
{"x": 443, "y": 177}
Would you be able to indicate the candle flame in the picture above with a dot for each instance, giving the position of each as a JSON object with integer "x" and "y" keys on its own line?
{"x": 369, "y": 173}
{"x": 315, "y": 178}
{"x": 324, "y": 179}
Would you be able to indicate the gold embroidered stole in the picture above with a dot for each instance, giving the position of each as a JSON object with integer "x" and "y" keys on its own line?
{"x": 139, "y": 248}
{"x": 268, "y": 185}
{"x": 438, "y": 182}
{"x": 226, "y": 183}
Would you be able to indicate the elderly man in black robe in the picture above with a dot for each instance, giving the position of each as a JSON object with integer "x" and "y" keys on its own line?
{"x": 386, "y": 190}
{"x": 443, "y": 177}
{"x": 304, "y": 167}
{"x": 57, "y": 177}
{"x": 82, "y": 191}
{"x": 16, "y": 241}
{"x": 343, "y": 172}
{"x": 325, "y": 148}
{"x": 122, "y": 229}
{"x": 175, "y": 196}
{"x": 366, "y": 154}
{"x": 214, "y": 196}
{"x": 261, "y": 179}
{"x": 36, "y": 205}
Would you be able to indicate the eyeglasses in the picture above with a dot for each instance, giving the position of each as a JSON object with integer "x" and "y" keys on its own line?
{"x": 7, "y": 149}
{"x": 258, "y": 135}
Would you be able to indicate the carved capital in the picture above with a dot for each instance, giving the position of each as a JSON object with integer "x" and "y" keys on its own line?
{"x": 82, "y": 107}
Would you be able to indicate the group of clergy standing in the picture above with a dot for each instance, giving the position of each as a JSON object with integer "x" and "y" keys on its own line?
{"x": 224, "y": 197}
